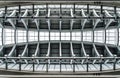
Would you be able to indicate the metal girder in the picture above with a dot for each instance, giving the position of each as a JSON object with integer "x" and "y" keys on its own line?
{"x": 25, "y": 21}
{"x": 48, "y": 21}
{"x": 96, "y": 52}
{"x": 95, "y": 21}
{"x": 12, "y": 50}
{"x": 48, "y": 51}
{"x": 24, "y": 51}
{"x": 71, "y": 48}
{"x": 108, "y": 21}
{"x": 36, "y": 20}
{"x": 108, "y": 51}
{"x": 60, "y": 52}
{"x": 12, "y": 21}
{"x": 84, "y": 52}
{"x": 36, "y": 52}
{"x": 83, "y": 21}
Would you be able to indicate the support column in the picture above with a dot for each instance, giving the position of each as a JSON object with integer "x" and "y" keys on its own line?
{"x": 114, "y": 64}
{"x": 87, "y": 65}
{"x": 33, "y": 63}
{"x": 73, "y": 65}
{"x": 101, "y": 61}
{"x": 60, "y": 66}
{"x": 20, "y": 62}
{"x": 6, "y": 62}
{"x": 47, "y": 65}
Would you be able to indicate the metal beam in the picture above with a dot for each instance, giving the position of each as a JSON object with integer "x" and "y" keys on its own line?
{"x": 25, "y": 21}
{"x": 12, "y": 50}
{"x": 12, "y": 21}
{"x": 48, "y": 51}
{"x": 71, "y": 48}
{"x": 83, "y": 21}
{"x": 95, "y": 21}
{"x": 36, "y": 20}
{"x": 36, "y": 52}
{"x": 108, "y": 21}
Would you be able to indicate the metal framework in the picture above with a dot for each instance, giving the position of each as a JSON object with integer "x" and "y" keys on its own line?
{"x": 64, "y": 53}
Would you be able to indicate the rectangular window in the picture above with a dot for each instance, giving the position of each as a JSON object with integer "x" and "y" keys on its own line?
{"x": 21, "y": 36}
{"x": 99, "y": 36}
{"x": 8, "y": 36}
{"x": 65, "y": 35}
{"x": 54, "y": 36}
{"x": 32, "y": 35}
{"x": 76, "y": 36}
{"x": 111, "y": 36}
{"x": 87, "y": 36}
{"x": 44, "y": 36}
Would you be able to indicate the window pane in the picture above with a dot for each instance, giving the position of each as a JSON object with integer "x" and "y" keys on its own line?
{"x": 87, "y": 36}
{"x": 99, "y": 36}
{"x": 21, "y": 36}
{"x": 32, "y": 35}
{"x": 111, "y": 36}
{"x": 8, "y": 36}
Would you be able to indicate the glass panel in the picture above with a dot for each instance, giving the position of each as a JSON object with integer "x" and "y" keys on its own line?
{"x": 99, "y": 36}
{"x": 76, "y": 36}
{"x": 8, "y": 36}
{"x": 54, "y": 36}
{"x": 21, "y": 36}
{"x": 87, "y": 36}
{"x": 65, "y": 35}
{"x": 32, "y": 35}
{"x": 111, "y": 36}
{"x": 43, "y": 36}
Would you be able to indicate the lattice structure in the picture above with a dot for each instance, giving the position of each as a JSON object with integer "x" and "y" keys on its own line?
{"x": 60, "y": 38}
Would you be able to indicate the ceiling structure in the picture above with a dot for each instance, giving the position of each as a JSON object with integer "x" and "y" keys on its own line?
{"x": 61, "y": 36}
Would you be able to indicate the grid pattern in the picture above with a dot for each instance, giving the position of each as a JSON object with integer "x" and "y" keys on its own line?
{"x": 54, "y": 36}
{"x": 8, "y": 36}
{"x": 21, "y": 36}
{"x": 44, "y": 36}
{"x": 33, "y": 35}
{"x": 111, "y": 36}
{"x": 99, "y": 36}
{"x": 65, "y": 35}
{"x": 87, "y": 36}
{"x": 76, "y": 36}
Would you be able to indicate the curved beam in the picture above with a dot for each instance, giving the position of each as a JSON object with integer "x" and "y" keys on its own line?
{"x": 71, "y": 48}
{"x": 36, "y": 20}
{"x": 25, "y": 21}
{"x": 95, "y": 21}
{"x": 12, "y": 50}
{"x": 83, "y": 21}
{"x": 48, "y": 51}
{"x": 12, "y": 21}
{"x": 36, "y": 52}
{"x": 108, "y": 21}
